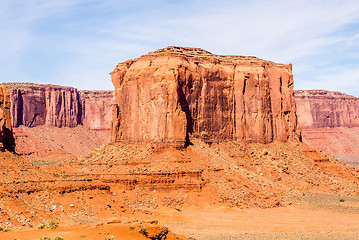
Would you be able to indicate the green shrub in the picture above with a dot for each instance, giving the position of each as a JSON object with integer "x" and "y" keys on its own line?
{"x": 42, "y": 226}
{"x": 53, "y": 224}
{"x": 5, "y": 229}
{"x": 342, "y": 200}
{"x": 143, "y": 230}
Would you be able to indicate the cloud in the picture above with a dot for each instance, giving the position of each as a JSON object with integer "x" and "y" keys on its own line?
{"x": 86, "y": 39}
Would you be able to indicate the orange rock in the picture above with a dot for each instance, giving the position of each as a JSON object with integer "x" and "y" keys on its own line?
{"x": 167, "y": 95}
{"x": 7, "y": 140}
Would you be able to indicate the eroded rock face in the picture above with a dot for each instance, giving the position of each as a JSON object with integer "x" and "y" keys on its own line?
{"x": 97, "y": 109}
{"x": 34, "y": 104}
{"x": 167, "y": 95}
{"x": 330, "y": 122}
{"x": 319, "y": 108}
{"x": 7, "y": 140}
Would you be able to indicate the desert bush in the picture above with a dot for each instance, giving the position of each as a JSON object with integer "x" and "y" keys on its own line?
{"x": 143, "y": 230}
{"x": 53, "y": 224}
{"x": 42, "y": 226}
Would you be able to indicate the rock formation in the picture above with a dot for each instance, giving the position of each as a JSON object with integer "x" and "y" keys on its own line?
{"x": 97, "y": 109}
{"x": 34, "y": 104}
{"x": 330, "y": 122}
{"x": 319, "y": 108}
{"x": 7, "y": 140}
{"x": 167, "y": 95}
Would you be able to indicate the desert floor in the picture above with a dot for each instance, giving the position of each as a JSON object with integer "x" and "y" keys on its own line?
{"x": 311, "y": 216}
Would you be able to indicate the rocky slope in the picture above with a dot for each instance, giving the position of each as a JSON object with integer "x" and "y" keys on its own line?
{"x": 167, "y": 95}
{"x": 330, "y": 122}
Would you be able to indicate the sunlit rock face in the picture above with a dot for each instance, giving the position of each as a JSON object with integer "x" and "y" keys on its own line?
{"x": 173, "y": 93}
{"x": 7, "y": 141}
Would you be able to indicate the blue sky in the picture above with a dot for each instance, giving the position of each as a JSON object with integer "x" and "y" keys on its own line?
{"x": 77, "y": 42}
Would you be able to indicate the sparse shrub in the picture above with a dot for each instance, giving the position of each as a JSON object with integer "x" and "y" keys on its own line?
{"x": 132, "y": 228}
{"x": 5, "y": 229}
{"x": 342, "y": 200}
{"x": 143, "y": 230}
{"x": 110, "y": 238}
{"x": 53, "y": 224}
{"x": 42, "y": 226}
{"x": 58, "y": 238}
{"x": 83, "y": 236}
{"x": 45, "y": 238}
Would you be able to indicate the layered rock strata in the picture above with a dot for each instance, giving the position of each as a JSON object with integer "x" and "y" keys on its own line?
{"x": 320, "y": 108}
{"x": 167, "y": 95}
{"x": 34, "y": 105}
{"x": 330, "y": 122}
{"x": 7, "y": 141}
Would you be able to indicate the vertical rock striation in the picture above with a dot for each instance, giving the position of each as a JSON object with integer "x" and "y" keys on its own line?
{"x": 320, "y": 108}
{"x": 167, "y": 95}
{"x": 97, "y": 109}
{"x": 34, "y": 105}
{"x": 7, "y": 141}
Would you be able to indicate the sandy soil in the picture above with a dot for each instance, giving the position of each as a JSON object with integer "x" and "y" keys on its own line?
{"x": 311, "y": 216}
{"x": 292, "y": 222}
{"x": 220, "y": 191}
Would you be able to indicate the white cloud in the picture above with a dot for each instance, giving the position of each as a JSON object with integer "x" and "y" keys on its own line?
{"x": 309, "y": 34}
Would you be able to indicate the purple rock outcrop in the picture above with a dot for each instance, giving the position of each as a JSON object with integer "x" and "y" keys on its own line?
{"x": 34, "y": 104}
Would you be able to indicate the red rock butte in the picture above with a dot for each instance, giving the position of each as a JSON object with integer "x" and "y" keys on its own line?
{"x": 171, "y": 94}
{"x": 7, "y": 141}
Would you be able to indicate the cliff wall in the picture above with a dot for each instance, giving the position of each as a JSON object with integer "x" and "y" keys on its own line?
{"x": 330, "y": 122}
{"x": 97, "y": 109}
{"x": 172, "y": 93}
{"x": 7, "y": 140}
{"x": 319, "y": 108}
{"x": 34, "y": 105}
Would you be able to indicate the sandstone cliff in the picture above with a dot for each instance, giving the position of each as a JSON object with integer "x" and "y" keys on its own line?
{"x": 34, "y": 104}
{"x": 330, "y": 122}
{"x": 97, "y": 109}
{"x": 167, "y": 95}
{"x": 7, "y": 140}
{"x": 319, "y": 108}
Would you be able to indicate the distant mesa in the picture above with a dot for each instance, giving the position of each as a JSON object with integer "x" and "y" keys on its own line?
{"x": 35, "y": 104}
{"x": 170, "y": 94}
{"x": 320, "y": 108}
